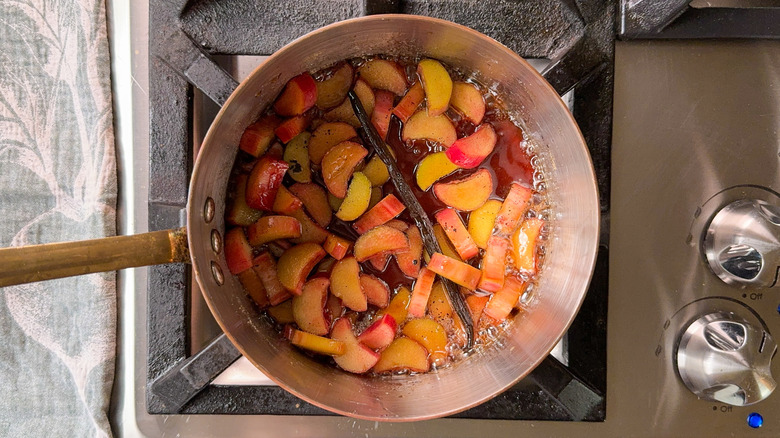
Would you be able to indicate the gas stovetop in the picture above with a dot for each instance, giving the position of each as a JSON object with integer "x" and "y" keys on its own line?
{"x": 171, "y": 349}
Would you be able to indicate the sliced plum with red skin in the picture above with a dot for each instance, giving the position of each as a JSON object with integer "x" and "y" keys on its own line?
{"x": 339, "y": 163}
{"x": 336, "y": 246}
{"x": 266, "y": 270}
{"x": 264, "y": 181}
{"x": 345, "y": 284}
{"x": 258, "y": 136}
{"x": 468, "y": 193}
{"x": 238, "y": 251}
{"x": 357, "y": 358}
{"x": 379, "y": 334}
{"x": 410, "y": 261}
{"x": 377, "y": 292}
{"x": 296, "y": 263}
{"x": 469, "y": 152}
{"x": 299, "y": 94}
{"x": 270, "y": 228}
{"x": 309, "y": 307}
{"x": 378, "y": 241}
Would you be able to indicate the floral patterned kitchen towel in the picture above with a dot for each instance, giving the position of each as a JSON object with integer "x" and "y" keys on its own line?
{"x": 57, "y": 183}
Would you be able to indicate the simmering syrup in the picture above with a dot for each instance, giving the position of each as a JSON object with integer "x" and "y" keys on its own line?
{"x": 509, "y": 162}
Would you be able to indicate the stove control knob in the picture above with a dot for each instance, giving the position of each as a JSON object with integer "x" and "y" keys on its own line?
{"x": 724, "y": 358}
{"x": 742, "y": 243}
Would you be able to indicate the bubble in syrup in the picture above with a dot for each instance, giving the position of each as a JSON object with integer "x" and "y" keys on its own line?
{"x": 491, "y": 332}
{"x": 451, "y": 348}
{"x": 527, "y": 294}
{"x": 499, "y": 341}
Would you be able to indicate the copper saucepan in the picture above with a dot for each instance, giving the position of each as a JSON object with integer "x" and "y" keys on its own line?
{"x": 571, "y": 251}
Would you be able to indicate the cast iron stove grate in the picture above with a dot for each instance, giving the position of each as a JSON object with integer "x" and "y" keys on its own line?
{"x": 577, "y": 36}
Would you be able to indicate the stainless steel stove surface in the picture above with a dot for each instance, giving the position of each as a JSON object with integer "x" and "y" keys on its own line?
{"x": 695, "y": 127}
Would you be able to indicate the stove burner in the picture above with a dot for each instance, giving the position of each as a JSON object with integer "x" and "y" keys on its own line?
{"x": 184, "y": 37}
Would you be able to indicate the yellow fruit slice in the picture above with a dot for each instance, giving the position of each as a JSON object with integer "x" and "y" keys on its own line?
{"x": 326, "y": 136}
{"x": 316, "y": 343}
{"x": 437, "y": 85}
{"x": 431, "y": 335}
{"x": 384, "y": 75}
{"x": 376, "y": 196}
{"x": 332, "y": 91}
{"x": 524, "y": 244}
{"x": 344, "y": 113}
{"x": 467, "y": 99}
{"x": 296, "y": 154}
{"x": 403, "y": 354}
{"x": 439, "y": 305}
{"x": 423, "y": 126}
{"x": 334, "y": 202}
{"x": 398, "y": 305}
{"x": 282, "y": 313}
{"x": 432, "y": 168}
{"x": 345, "y": 284}
{"x": 376, "y": 171}
{"x": 481, "y": 222}
{"x": 357, "y": 199}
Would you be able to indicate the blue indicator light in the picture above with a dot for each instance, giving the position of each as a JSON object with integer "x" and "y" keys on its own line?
{"x": 755, "y": 420}
{"x": 778, "y": 308}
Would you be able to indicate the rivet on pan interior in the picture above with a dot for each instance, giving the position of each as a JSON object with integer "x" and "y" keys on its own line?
{"x": 216, "y": 241}
{"x": 216, "y": 271}
{"x": 208, "y": 210}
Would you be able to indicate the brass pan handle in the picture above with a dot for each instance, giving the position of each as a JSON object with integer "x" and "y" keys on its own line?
{"x": 27, "y": 264}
